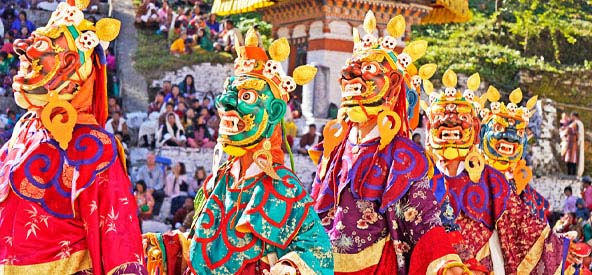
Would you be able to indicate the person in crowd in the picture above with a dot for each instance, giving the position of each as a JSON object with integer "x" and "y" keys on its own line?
{"x": 574, "y": 154}
{"x": 309, "y": 139}
{"x": 180, "y": 110}
{"x": 144, "y": 200}
{"x": 165, "y": 15}
{"x": 111, "y": 61}
{"x": 172, "y": 133}
{"x": 213, "y": 24}
{"x": 11, "y": 121}
{"x": 181, "y": 214}
{"x": 587, "y": 191}
{"x": 147, "y": 14}
{"x": 112, "y": 106}
{"x": 4, "y": 63}
{"x": 203, "y": 40}
{"x": 187, "y": 86}
{"x": 23, "y": 33}
{"x": 158, "y": 103}
{"x": 197, "y": 181}
{"x": 21, "y": 22}
{"x": 174, "y": 96}
{"x": 154, "y": 177}
{"x": 213, "y": 124}
{"x": 176, "y": 31}
{"x": 167, "y": 87}
{"x": 202, "y": 135}
{"x": 118, "y": 124}
{"x": 179, "y": 46}
{"x": 176, "y": 186}
{"x": 417, "y": 139}
{"x": 582, "y": 212}
{"x": 206, "y": 105}
{"x": 147, "y": 131}
{"x": 229, "y": 37}
{"x": 168, "y": 108}
{"x": 569, "y": 205}
{"x": 8, "y": 46}
{"x": 569, "y": 223}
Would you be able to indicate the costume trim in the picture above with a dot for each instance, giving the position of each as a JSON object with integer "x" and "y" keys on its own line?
{"x": 534, "y": 254}
{"x": 483, "y": 253}
{"x": 78, "y": 261}
{"x": 361, "y": 260}
{"x": 294, "y": 260}
{"x": 123, "y": 268}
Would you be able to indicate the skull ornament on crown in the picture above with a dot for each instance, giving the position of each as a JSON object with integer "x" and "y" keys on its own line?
{"x": 62, "y": 65}
{"x": 503, "y": 130}
{"x": 254, "y": 100}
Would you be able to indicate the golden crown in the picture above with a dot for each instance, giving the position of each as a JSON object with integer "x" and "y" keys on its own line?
{"x": 387, "y": 45}
{"x": 453, "y": 95}
{"x": 253, "y": 61}
{"x": 510, "y": 109}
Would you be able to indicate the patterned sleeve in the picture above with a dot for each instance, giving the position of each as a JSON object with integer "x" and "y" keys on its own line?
{"x": 109, "y": 211}
{"x": 423, "y": 243}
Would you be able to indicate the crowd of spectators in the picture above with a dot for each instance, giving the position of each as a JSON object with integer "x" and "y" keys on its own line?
{"x": 189, "y": 29}
{"x": 575, "y": 221}
{"x": 180, "y": 116}
{"x": 167, "y": 188}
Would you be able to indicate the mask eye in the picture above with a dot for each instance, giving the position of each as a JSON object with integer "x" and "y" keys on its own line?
{"x": 41, "y": 45}
{"x": 520, "y": 132}
{"x": 498, "y": 128}
{"x": 248, "y": 96}
{"x": 370, "y": 68}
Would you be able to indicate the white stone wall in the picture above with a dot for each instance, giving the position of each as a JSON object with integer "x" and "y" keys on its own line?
{"x": 334, "y": 61}
{"x": 208, "y": 77}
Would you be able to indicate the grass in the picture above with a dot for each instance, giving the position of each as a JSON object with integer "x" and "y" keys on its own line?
{"x": 152, "y": 57}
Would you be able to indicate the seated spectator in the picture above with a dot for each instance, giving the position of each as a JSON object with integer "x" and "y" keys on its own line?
{"x": 112, "y": 106}
{"x": 198, "y": 180}
{"x": 4, "y": 63}
{"x": 147, "y": 13}
{"x": 48, "y": 5}
{"x": 187, "y": 86}
{"x": 23, "y": 34}
{"x": 179, "y": 46}
{"x": 158, "y": 103}
{"x": 168, "y": 108}
{"x": 213, "y": 24}
{"x": 8, "y": 46}
{"x": 182, "y": 212}
{"x": 568, "y": 223}
{"x": 117, "y": 124}
{"x": 176, "y": 186}
{"x": 172, "y": 133}
{"x": 587, "y": 191}
{"x": 308, "y": 140}
{"x": 176, "y": 32}
{"x": 11, "y": 122}
{"x": 167, "y": 87}
{"x": 214, "y": 124}
{"x": 203, "y": 137}
{"x": 147, "y": 131}
{"x": 7, "y": 82}
{"x": 180, "y": 110}
{"x": 205, "y": 105}
{"x": 569, "y": 205}
{"x": 144, "y": 200}
{"x": 165, "y": 16}
{"x": 228, "y": 38}
{"x": 203, "y": 40}
{"x": 154, "y": 177}
{"x": 21, "y": 22}
{"x": 174, "y": 96}
{"x": 582, "y": 212}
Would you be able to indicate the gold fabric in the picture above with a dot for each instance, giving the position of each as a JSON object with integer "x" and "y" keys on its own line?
{"x": 535, "y": 253}
{"x": 363, "y": 259}
{"x": 78, "y": 261}
{"x": 299, "y": 263}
